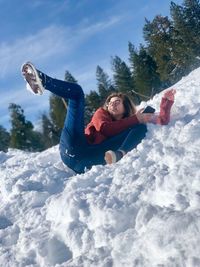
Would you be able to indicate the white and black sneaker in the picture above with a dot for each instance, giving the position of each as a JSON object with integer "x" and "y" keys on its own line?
{"x": 33, "y": 78}
{"x": 113, "y": 156}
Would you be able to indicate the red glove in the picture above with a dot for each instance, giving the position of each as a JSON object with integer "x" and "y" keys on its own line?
{"x": 170, "y": 94}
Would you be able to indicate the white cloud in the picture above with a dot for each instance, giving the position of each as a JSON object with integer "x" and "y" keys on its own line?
{"x": 10, "y": 97}
{"x": 100, "y": 26}
{"x": 54, "y": 7}
{"x": 48, "y": 42}
{"x": 43, "y": 44}
{"x": 43, "y": 47}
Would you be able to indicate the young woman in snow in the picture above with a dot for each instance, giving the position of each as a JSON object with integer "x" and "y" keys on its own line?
{"x": 114, "y": 129}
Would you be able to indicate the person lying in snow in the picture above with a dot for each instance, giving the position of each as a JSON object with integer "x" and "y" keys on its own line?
{"x": 114, "y": 129}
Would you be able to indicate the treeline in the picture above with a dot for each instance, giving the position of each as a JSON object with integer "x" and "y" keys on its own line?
{"x": 170, "y": 51}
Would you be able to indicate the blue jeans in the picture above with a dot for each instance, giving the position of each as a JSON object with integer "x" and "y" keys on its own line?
{"x": 75, "y": 151}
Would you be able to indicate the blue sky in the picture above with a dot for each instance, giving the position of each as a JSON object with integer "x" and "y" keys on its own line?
{"x": 73, "y": 35}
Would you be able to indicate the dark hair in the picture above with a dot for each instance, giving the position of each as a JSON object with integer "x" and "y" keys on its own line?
{"x": 129, "y": 106}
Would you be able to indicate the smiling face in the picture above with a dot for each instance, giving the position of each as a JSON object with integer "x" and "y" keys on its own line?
{"x": 116, "y": 107}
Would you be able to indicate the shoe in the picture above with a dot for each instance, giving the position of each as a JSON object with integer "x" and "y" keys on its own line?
{"x": 113, "y": 156}
{"x": 33, "y": 78}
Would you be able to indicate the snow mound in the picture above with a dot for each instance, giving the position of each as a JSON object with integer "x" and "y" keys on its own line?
{"x": 142, "y": 211}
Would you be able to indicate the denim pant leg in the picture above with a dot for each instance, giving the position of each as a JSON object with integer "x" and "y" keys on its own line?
{"x": 72, "y": 138}
{"x": 126, "y": 141}
{"x": 74, "y": 121}
{"x": 134, "y": 137}
{"x": 94, "y": 154}
{"x": 61, "y": 88}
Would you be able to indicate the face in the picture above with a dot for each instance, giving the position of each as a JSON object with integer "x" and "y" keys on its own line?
{"x": 116, "y": 108}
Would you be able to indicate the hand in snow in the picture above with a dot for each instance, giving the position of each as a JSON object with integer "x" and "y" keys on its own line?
{"x": 170, "y": 94}
{"x": 144, "y": 117}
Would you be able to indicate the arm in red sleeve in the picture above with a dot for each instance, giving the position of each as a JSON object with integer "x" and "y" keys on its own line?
{"x": 103, "y": 123}
{"x": 165, "y": 108}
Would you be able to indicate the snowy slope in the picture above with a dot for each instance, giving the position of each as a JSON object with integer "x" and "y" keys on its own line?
{"x": 143, "y": 211}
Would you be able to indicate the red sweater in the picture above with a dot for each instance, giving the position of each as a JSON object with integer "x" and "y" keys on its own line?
{"x": 103, "y": 126}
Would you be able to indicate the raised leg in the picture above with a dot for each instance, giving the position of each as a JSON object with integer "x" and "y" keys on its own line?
{"x": 73, "y": 130}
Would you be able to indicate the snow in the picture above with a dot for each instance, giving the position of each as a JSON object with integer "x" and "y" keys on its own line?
{"x": 142, "y": 211}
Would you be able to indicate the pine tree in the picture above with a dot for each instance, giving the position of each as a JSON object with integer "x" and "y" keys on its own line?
{"x": 22, "y": 135}
{"x": 69, "y": 77}
{"x": 20, "y": 128}
{"x": 146, "y": 78}
{"x": 135, "y": 93}
{"x": 158, "y": 35}
{"x": 92, "y": 103}
{"x": 47, "y": 132}
{"x": 36, "y": 141}
{"x": 186, "y": 21}
{"x": 4, "y": 139}
{"x": 122, "y": 76}
{"x": 175, "y": 44}
{"x": 104, "y": 84}
{"x": 57, "y": 115}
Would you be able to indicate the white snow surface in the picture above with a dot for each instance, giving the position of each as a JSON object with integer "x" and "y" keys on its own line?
{"x": 142, "y": 211}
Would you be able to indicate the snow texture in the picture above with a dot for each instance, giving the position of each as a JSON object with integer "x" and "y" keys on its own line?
{"x": 142, "y": 211}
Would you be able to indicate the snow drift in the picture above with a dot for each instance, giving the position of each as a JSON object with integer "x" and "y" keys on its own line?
{"x": 142, "y": 211}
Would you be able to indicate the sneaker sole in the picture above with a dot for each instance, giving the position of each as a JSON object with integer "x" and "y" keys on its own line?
{"x": 30, "y": 75}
